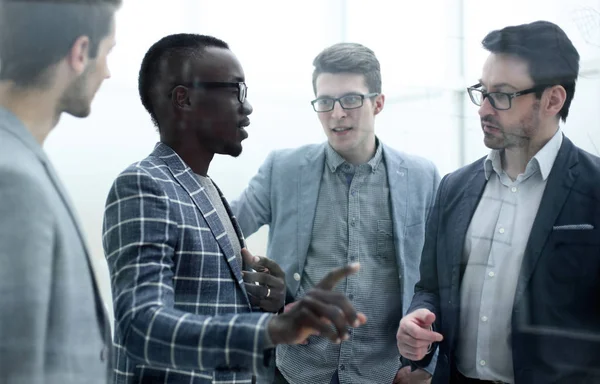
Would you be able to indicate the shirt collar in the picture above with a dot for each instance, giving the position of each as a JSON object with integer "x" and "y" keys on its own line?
{"x": 543, "y": 159}
{"x": 334, "y": 160}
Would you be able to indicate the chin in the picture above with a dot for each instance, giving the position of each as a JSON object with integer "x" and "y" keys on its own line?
{"x": 233, "y": 150}
{"x": 80, "y": 111}
{"x": 493, "y": 143}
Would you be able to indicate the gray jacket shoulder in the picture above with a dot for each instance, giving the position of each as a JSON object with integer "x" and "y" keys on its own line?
{"x": 291, "y": 157}
{"x": 411, "y": 161}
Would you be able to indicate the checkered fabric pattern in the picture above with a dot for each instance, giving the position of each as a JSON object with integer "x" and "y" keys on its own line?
{"x": 181, "y": 310}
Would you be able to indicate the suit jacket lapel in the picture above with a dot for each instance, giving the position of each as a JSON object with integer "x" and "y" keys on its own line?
{"x": 16, "y": 127}
{"x": 187, "y": 179}
{"x": 234, "y": 222}
{"x": 309, "y": 182}
{"x": 558, "y": 186}
{"x": 467, "y": 202}
{"x": 100, "y": 308}
{"x": 398, "y": 177}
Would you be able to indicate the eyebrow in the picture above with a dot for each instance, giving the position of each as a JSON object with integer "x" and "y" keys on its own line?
{"x": 498, "y": 85}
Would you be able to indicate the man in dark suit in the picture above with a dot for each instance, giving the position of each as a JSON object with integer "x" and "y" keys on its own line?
{"x": 510, "y": 266}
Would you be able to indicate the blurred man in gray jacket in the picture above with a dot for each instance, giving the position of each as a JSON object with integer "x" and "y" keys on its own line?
{"x": 53, "y": 326}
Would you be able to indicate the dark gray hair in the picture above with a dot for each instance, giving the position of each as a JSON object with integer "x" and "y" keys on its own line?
{"x": 35, "y": 35}
{"x": 349, "y": 58}
{"x": 551, "y": 56}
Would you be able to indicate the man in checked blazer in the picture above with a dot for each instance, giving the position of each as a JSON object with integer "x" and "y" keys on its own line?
{"x": 185, "y": 309}
{"x": 53, "y": 325}
{"x": 511, "y": 264}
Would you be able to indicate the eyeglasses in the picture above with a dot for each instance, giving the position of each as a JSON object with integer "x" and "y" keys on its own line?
{"x": 352, "y": 101}
{"x": 499, "y": 100}
{"x": 241, "y": 87}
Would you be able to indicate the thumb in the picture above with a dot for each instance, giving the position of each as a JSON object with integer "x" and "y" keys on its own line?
{"x": 424, "y": 317}
{"x": 248, "y": 257}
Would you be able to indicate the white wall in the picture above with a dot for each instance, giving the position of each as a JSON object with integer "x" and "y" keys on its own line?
{"x": 418, "y": 44}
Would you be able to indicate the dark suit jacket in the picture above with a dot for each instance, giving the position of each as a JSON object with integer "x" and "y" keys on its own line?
{"x": 556, "y": 313}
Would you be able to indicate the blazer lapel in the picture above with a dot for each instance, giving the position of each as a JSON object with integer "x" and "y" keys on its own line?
{"x": 234, "y": 222}
{"x": 558, "y": 186}
{"x": 187, "y": 179}
{"x": 15, "y": 126}
{"x": 398, "y": 176}
{"x": 100, "y": 308}
{"x": 467, "y": 203}
{"x": 309, "y": 182}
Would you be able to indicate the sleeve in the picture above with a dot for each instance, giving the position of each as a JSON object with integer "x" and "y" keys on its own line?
{"x": 26, "y": 250}
{"x": 426, "y": 289}
{"x": 253, "y": 207}
{"x": 139, "y": 239}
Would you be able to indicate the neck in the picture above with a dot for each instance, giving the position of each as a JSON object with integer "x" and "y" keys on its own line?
{"x": 361, "y": 154}
{"x": 515, "y": 159}
{"x": 197, "y": 158}
{"x": 36, "y": 109}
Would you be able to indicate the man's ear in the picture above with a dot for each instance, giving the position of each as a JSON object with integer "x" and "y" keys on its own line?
{"x": 553, "y": 100}
{"x": 379, "y": 103}
{"x": 78, "y": 56}
{"x": 180, "y": 97}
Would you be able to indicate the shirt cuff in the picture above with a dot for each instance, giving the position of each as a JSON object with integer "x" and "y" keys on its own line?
{"x": 267, "y": 339}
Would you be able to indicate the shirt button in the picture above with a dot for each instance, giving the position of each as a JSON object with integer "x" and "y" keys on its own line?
{"x": 501, "y": 230}
{"x": 353, "y": 222}
{"x": 342, "y": 367}
{"x": 491, "y": 274}
{"x": 484, "y": 318}
{"x": 513, "y": 189}
{"x": 297, "y": 276}
{"x": 482, "y": 363}
{"x": 351, "y": 296}
{"x": 353, "y": 192}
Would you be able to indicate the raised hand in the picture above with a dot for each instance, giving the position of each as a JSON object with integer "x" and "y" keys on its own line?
{"x": 317, "y": 311}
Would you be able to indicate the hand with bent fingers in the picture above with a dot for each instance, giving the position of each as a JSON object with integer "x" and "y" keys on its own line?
{"x": 269, "y": 294}
{"x": 314, "y": 313}
{"x": 415, "y": 334}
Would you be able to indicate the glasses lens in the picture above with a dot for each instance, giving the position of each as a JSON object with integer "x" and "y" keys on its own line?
{"x": 476, "y": 96}
{"x": 351, "y": 101}
{"x": 243, "y": 91}
{"x": 323, "y": 105}
{"x": 500, "y": 100}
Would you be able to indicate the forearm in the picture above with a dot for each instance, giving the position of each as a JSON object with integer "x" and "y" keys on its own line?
{"x": 170, "y": 338}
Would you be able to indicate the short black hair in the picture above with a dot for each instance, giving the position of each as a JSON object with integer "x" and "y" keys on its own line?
{"x": 349, "y": 58}
{"x": 184, "y": 45}
{"x": 550, "y": 54}
{"x": 35, "y": 35}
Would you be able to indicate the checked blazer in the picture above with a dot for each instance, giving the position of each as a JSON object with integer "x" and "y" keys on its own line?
{"x": 181, "y": 310}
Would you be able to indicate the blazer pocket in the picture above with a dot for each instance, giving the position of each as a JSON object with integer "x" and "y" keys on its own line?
{"x": 575, "y": 255}
{"x": 582, "y": 237}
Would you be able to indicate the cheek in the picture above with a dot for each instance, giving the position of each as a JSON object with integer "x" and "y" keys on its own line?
{"x": 324, "y": 119}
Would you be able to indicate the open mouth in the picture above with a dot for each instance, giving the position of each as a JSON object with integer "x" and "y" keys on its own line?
{"x": 487, "y": 127}
{"x": 244, "y": 124}
{"x": 341, "y": 129}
